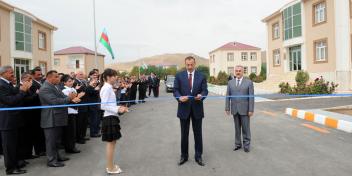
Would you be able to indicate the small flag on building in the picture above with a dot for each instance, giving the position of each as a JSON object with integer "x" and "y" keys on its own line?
{"x": 104, "y": 40}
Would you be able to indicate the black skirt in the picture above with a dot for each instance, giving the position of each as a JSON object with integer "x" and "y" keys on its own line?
{"x": 111, "y": 129}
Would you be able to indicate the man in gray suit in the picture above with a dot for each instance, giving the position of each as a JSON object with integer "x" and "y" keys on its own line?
{"x": 54, "y": 119}
{"x": 242, "y": 107}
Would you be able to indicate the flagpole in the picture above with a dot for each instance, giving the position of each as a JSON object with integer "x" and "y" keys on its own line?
{"x": 95, "y": 37}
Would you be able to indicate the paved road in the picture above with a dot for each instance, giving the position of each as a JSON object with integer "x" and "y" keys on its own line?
{"x": 280, "y": 145}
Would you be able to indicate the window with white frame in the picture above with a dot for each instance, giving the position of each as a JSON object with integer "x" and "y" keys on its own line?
{"x": 23, "y": 32}
{"x": 230, "y": 57}
{"x": 276, "y": 57}
{"x": 254, "y": 70}
{"x": 43, "y": 67}
{"x": 230, "y": 70}
{"x": 253, "y": 56}
{"x": 276, "y": 31}
{"x": 57, "y": 62}
{"x": 321, "y": 50}
{"x": 42, "y": 40}
{"x": 245, "y": 70}
{"x": 320, "y": 12}
{"x": 244, "y": 56}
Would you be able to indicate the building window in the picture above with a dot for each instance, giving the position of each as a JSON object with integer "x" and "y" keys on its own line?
{"x": 230, "y": 57}
{"x": 57, "y": 62}
{"x": 254, "y": 70}
{"x": 292, "y": 21}
{"x": 77, "y": 64}
{"x": 276, "y": 57}
{"x": 253, "y": 56}
{"x": 23, "y": 32}
{"x": 244, "y": 56}
{"x": 276, "y": 31}
{"x": 43, "y": 67}
{"x": 230, "y": 70}
{"x": 42, "y": 40}
{"x": 245, "y": 70}
{"x": 319, "y": 11}
{"x": 214, "y": 71}
{"x": 321, "y": 50}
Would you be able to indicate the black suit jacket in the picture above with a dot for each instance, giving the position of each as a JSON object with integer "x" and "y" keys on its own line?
{"x": 84, "y": 99}
{"x": 10, "y": 97}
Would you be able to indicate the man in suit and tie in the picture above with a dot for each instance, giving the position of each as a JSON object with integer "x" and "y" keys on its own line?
{"x": 54, "y": 119}
{"x": 154, "y": 83}
{"x": 9, "y": 120}
{"x": 190, "y": 90}
{"x": 240, "y": 107}
{"x": 82, "y": 120}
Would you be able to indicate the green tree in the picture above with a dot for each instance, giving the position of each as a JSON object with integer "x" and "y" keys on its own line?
{"x": 205, "y": 70}
{"x": 134, "y": 71}
{"x": 222, "y": 78}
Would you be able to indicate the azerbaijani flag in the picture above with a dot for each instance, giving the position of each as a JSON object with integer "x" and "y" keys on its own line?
{"x": 104, "y": 40}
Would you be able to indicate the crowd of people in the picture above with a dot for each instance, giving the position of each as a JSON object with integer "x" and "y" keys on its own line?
{"x": 33, "y": 133}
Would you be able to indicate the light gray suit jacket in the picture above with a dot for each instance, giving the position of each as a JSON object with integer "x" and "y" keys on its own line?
{"x": 53, "y": 117}
{"x": 240, "y": 105}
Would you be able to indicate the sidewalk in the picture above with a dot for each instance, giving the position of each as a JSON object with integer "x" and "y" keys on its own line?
{"x": 330, "y": 119}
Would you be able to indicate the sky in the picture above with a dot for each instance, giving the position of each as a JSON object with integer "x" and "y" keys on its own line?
{"x": 142, "y": 28}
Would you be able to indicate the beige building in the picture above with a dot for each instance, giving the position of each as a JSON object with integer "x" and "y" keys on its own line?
{"x": 25, "y": 40}
{"x": 75, "y": 59}
{"x": 231, "y": 54}
{"x": 310, "y": 35}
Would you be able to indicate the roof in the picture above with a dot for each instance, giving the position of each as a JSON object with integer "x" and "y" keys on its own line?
{"x": 236, "y": 46}
{"x": 266, "y": 19}
{"x": 76, "y": 50}
{"x": 36, "y": 19}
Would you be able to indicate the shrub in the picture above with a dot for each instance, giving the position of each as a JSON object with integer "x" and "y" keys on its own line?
{"x": 285, "y": 88}
{"x": 252, "y": 76}
{"x": 302, "y": 78}
{"x": 222, "y": 78}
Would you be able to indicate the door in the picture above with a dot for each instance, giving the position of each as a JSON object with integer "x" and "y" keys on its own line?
{"x": 295, "y": 58}
{"x": 21, "y": 66}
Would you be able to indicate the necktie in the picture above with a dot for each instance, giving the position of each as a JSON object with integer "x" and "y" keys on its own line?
{"x": 238, "y": 82}
{"x": 190, "y": 81}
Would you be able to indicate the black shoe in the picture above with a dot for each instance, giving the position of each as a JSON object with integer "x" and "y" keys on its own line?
{"x": 87, "y": 138}
{"x": 237, "y": 148}
{"x": 246, "y": 150}
{"x": 16, "y": 172}
{"x": 200, "y": 162}
{"x": 73, "y": 151}
{"x": 57, "y": 164}
{"x": 33, "y": 157}
{"x": 95, "y": 135}
{"x": 21, "y": 164}
{"x": 182, "y": 161}
{"x": 42, "y": 154}
{"x": 62, "y": 159}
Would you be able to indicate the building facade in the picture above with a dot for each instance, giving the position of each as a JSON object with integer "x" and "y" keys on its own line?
{"x": 75, "y": 59}
{"x": 226, "y": 57}
{"x": 25, "y": 40}
{"x": 314, "y": 36}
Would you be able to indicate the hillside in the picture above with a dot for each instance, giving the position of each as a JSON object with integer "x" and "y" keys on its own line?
{"x": 165, "y": 59}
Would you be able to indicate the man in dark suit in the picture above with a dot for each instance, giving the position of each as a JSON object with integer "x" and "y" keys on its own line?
{"x": 82, "y": 120}
{"x": 154, "y": 83}
{"x": 242, "y": 108}
{"x": 9, "y": 120}
{"x": 142, "y": 88}
{"x": 37, "y": 133}
{"x": 54, "y": 119}
{"x": 92, "y": 96}
{"x": 190, "y": 90}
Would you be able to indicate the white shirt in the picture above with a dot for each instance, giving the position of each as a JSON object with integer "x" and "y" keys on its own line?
{"x": 192, "y": 77}
{"x": 240, "y": 81}
{"x": 67, "y": 91}
{"x": 108, "y": 100}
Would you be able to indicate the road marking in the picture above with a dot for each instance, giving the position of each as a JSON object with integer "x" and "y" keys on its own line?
{"x": 269, "y": 113}
{"x": 321, "y": 130}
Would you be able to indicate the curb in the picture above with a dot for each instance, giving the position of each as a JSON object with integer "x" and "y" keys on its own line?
{"x": 320, "y": 119}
